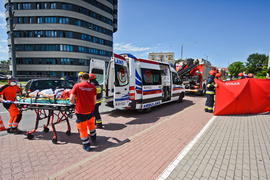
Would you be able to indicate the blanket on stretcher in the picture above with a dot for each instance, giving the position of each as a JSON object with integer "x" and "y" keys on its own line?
{"x": 42, "y": 100}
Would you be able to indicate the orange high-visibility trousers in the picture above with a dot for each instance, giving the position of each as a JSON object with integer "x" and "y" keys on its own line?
{"x": 15, "y": 117}
{"x": 84, "y": 126}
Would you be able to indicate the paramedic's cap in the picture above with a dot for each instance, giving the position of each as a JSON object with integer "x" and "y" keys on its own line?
{"x": 84, "y": 76}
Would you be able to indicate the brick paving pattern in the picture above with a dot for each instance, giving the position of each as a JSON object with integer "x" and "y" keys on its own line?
{"x": 39, "y": 158}
{"x": 141, "y": 146}
{"x": 147, "y": 154}
{"x": 234, "y": 147}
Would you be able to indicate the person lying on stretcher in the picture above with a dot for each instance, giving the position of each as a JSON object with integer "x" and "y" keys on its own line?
{"x": 49, "y": 93}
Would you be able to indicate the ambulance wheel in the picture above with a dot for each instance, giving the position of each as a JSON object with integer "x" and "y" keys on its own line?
{"x": 147, "y": 110}
{"x": 139, "y": 110}
{"x": 30, "y": 136}
{"x": 46, "y": 129}
{"x": 180, "y": 99}
{"x": 54, "y": 140}
{"x": 68, "y": 133}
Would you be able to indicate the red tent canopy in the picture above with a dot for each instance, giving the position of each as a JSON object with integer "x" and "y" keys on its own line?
{"x": 243, "y": 96}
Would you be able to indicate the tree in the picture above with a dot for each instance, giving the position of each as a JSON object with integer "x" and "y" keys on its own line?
{"x": 178, "y": 61}
{"x": 236, "y": 67}
{"x": 255, "y": 63}
{"x": 264, "y": 70}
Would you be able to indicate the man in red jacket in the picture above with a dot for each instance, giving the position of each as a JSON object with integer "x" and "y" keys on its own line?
{"x": 8, "y": 94}
{"x": 85, "y": 95}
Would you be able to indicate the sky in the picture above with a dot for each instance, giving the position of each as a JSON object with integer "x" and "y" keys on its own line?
{"x": 222, "y": 31}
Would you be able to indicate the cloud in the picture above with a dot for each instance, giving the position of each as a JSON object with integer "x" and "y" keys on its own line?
{"x": 4, "y": 41}
{"x": 3, "y": 18}
{"x": 2, "y": 15}
{"x": 3, "y": 25}
{"x": 3, "y": 49}
{"x": 129, "y": 47}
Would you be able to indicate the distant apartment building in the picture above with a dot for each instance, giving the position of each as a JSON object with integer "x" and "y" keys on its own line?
{"x": 162, "y": 57}
{"x": 57, "y": 38}
{"x": 4, "y": 68}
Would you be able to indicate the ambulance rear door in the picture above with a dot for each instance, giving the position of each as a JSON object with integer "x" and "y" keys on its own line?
{"x": 98, "y": 67}
{"x": 121, "y": 83}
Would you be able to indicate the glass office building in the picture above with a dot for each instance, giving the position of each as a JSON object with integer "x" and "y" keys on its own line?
{"x": 57, "y": 38}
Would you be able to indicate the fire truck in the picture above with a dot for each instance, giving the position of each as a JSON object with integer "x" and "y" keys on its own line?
{"x": 194, "y": 74}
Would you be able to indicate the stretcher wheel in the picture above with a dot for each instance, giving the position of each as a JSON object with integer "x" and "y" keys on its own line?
{"x": 54, "y": 140}
{"x": 68, "y": 133}
{"x": 30, "y": 136}
{"x": 46, "y": 129}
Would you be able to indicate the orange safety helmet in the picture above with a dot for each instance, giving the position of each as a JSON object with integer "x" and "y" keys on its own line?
{"x": 92, "y": 76}
{"x": 212, "y": 72}
{"x": 241, "y": 74}
{"x": 250, "y": 75}
{"x": 218, "y": 75}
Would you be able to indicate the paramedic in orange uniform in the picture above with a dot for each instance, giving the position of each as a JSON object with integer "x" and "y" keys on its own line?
{"x": 8, "y": 94}
{"x": 85, "y": 94}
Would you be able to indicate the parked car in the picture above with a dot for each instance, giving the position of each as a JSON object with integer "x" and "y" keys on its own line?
{"x": 3, "y": 77}
{"x": 71, "y": 78}
{"x": 41, "y": 84}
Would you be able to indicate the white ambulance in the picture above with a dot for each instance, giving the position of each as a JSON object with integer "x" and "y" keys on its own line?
{"x": 132, "y": 83}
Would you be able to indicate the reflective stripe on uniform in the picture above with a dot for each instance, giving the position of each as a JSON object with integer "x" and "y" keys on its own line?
{"x": 210, "y": 92}
{"x": 208, "y": 85}
{"x": 85, "y": 140}
{"x": 15, "y": 125}
{"x": 98, "y": 121}
{"x": 99, "y": 101}
{"x": 209, "y": 108}
{"x": 92, "y": 132}
{"x": 98, "y": 90}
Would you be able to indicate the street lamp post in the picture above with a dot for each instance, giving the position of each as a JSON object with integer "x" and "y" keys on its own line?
{"x": 206, "y": 56}
{"x": 182, "y": 47}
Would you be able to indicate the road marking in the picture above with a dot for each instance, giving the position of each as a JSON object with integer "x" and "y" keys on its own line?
{"x": 165, "y": 174}
{"x": 3, "y": 112}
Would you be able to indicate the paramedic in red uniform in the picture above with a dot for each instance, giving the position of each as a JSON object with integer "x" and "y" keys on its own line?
{"x": 8, "y": 94}
{"x": 84, "y": 95}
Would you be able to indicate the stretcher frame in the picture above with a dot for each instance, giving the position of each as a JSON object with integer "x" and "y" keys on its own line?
{"x": 50, "y": 111}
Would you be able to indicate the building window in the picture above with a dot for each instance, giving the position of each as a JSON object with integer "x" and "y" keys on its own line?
{"x": 26, "y": 6}
{"x": 67, "y": 7}
{"x": 50, "y": 20}
{"x": 63, "y": 20}
{"x": 38, "y": 6}
{"x": 39, "y": 19}
{"x": 53, "y": 5}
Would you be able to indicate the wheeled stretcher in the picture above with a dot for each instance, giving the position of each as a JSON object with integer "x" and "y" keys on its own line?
{"x": 54, "y": 110}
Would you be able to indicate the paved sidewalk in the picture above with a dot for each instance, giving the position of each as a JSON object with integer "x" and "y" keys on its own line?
{"x": 146, "y": 154}
{"x": 145, "y": 146}
{"x": 39, "y": 158}
{"x": 234, "y": 147}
